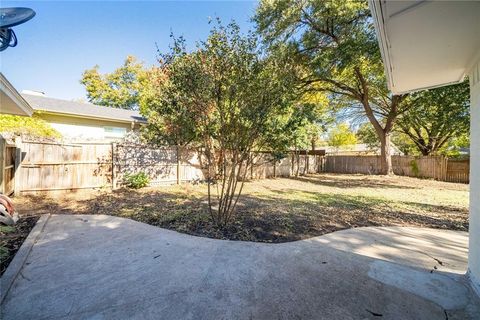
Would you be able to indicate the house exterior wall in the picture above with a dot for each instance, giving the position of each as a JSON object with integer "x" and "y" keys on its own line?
{"x": 77, "y": 128}
{"x": 474, "y": 232}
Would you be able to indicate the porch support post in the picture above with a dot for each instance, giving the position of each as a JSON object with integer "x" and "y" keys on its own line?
{"x": 474, "y": 232}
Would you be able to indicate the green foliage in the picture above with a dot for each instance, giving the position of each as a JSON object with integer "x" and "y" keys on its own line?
{"x": 6, "y": 229}
{"x": 334, "y": 43}
{"x": 455, "y": 144}
{"x": 414, "y": 166}
{"x": 228, "y": 97}
{"x": 341, "y": 135}
{"x": 137, "y": 180}
{"x": 299, "y": 128}
{"x": 119, "y": 89}
{"x": 174, "y": 118}
{"x": 404, "y": 143}
{"x": 366, "y": 134}
{"x": 28, "y": 126}
{"x": 4, "y": 252}
{"x": 437, "y": 117}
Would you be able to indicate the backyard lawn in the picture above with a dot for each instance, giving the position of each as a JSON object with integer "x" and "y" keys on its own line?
{"x": 278, "y": 210}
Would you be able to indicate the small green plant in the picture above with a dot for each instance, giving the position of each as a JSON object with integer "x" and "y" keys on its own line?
{"x": 4, "y": 252}
{"x": 414, "y": 166}
{"x": 137, "y": 180}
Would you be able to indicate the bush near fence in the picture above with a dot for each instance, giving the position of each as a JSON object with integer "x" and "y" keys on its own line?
{"x": 50, "y": 166}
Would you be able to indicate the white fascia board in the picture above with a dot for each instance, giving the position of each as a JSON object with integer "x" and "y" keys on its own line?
{"x": 83, "y": 116}
{"x": 377, "y": 10}
{"x": 8, "y": 89}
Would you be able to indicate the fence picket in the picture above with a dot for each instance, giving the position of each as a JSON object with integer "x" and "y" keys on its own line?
{"x": 433, "y": 167}
{"x": 56, "y": 166}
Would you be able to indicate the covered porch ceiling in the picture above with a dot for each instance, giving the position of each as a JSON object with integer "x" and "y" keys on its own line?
{"x": 426, "y": 44}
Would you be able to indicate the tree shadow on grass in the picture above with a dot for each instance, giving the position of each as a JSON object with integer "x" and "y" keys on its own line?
{"x": 271, "y": 217}
{"x": 339, "y": 181}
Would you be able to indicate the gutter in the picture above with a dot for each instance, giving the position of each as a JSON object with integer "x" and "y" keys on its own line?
{"x": 84, "y": 116}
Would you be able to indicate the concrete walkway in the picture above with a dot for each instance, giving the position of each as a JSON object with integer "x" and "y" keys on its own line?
{"x": 102, "y": 267}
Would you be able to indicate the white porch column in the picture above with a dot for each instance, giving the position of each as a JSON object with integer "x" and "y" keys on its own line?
{"x": 474, "y": 246}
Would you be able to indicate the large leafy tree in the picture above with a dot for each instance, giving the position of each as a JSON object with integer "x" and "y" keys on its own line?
{"x": 436, "y": 117}
{"x": 335, "y": 43}
{"x": 340, "y": 136}
{"x": 366, "y": 134}
{"x": 230, "y": 90}
{"x": 118, "y": 89}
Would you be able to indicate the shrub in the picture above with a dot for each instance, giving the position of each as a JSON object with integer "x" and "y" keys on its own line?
{"x": 414, "y": 166}
{"x": 137, "y": 180}
{"x": 28, "y": 126}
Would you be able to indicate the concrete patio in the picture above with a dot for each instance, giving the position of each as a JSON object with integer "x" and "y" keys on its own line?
{"x": 103, "y": 267}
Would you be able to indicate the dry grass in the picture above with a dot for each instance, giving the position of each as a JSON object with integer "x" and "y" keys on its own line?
{"x": 279, "y": 210}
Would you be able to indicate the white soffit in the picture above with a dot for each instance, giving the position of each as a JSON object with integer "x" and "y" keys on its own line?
{"x": 426, "y": 44}
{"x": 11, "y": 102}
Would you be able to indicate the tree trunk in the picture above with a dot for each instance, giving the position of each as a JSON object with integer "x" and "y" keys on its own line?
{"x": 385, "y": 154}
{"x": 385, "y": 131}
{"x": 179, "y": 164}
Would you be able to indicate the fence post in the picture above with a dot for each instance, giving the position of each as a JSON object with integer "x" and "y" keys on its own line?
{"x": 445, "y": 169}
{"x": 2, "y": 164}
{"x": 178, "y": 164}
{"x": 293, "y": 165}
{"x": 251, "y": 166}
{"x": 114, "y": 176}
{"x": 17, "y": 170}
{"x": 275, "y": 168}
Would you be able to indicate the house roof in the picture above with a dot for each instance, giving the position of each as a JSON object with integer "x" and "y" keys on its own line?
{"x": 426, "y": 44}
{"x": 11, "y": 102}
{"x": 81, "y": 109}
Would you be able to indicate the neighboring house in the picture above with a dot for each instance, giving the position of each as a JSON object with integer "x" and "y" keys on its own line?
{"x": 426, "y": 44}
{"x": 83, "y": 121}
{"x": 359, "y": 149}
{"x": 11, "y": 102}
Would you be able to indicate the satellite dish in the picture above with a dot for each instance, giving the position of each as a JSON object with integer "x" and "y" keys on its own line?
{"x": 10, "y": 17}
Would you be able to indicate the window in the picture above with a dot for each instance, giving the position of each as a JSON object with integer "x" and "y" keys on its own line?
{"x": 114, "y": 132}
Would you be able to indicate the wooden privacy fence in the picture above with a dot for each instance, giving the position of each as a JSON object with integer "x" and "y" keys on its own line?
{"x": 458, "y": 171}
{"x": 30, "y": 166}
{"x": 9, "y": 163}
{"x": 48, "y": 166}
{"x": 433, "y": 167}
{"x": 53, "y": 166}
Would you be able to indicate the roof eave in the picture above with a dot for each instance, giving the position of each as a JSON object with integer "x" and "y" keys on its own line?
{"x": 415, "y": 61}
{"x": 378, "y": 20}
{"x": 12, "y": 93}
{"x": 85, "y": 116}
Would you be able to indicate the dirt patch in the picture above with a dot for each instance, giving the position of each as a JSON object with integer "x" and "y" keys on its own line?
{"x": 279, "y": 210}
{"x": 12, "y": 239}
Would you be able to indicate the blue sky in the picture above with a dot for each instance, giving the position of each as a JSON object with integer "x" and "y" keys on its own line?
{"x": 65, "y": 38}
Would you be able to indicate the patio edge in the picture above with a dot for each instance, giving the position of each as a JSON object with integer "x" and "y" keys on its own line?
{"x": 21, "y": 256}
{"x": 474, "y": 283}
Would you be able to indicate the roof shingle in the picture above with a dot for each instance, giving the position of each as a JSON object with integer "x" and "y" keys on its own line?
{"x": 52, "y": 105}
